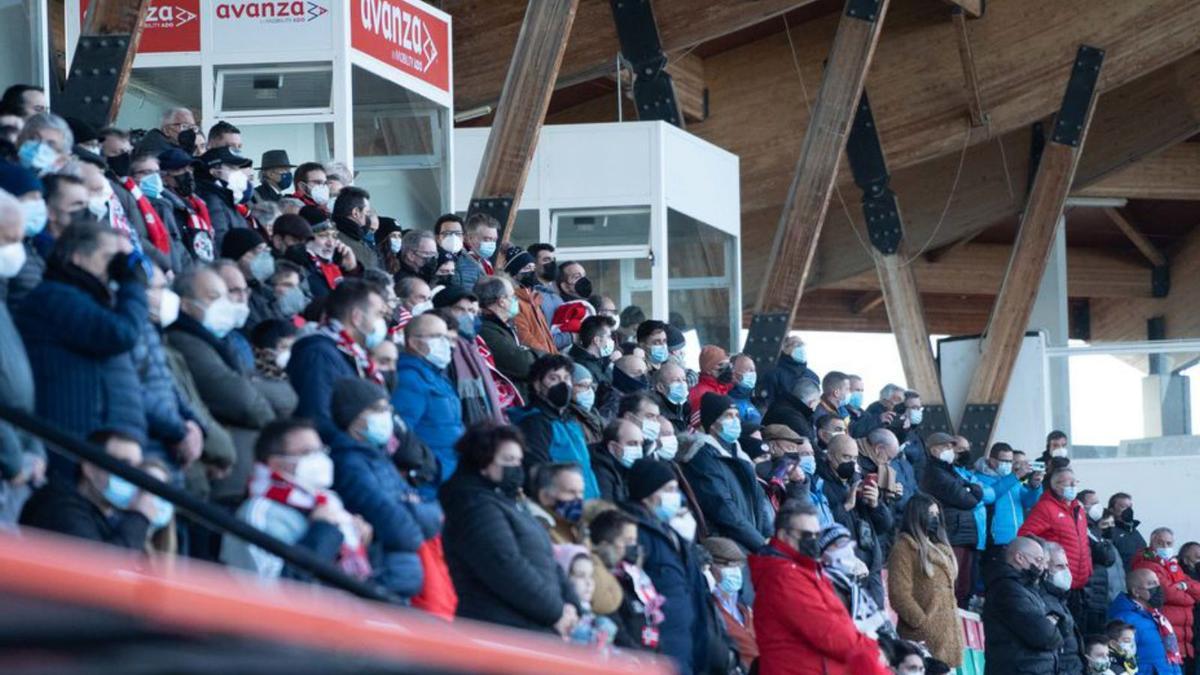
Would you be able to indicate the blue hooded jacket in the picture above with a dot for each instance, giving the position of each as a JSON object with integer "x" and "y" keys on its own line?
{"x": 1013, "y": 499}
{"x": 1151, "y": 654}
{"x": 428, "y": 402}
{"x": 554, "y": 437}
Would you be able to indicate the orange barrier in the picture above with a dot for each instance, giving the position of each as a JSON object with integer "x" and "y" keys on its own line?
{"x": 209, "y": 598}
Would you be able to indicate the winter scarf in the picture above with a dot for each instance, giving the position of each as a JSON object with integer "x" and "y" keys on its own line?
{"x": 363, "y": 365}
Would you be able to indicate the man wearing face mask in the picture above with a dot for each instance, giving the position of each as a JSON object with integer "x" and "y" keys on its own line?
{"x": 583, "y": 404}
{"x": 794, "y": 409}
{"x": 498, "y": 306}
{"x": 1053, "y": 589}
{"x": 291, "y": 498}
{"x": 619, "y": 447}
{"x": 629, "y": 375}
{"x": 175, "y": 435}
{"x": 312, "y": 186}
{"x": 1126, "y": 536}
{"x": 418, "y": 256}
{"x": 96, "y": 505}
{"x": 790, "y": 367}
{"x": 1180, "y": 592}
{"x": 484, "y": 392}
{"x": 145, "y": 173}
{"x": 1006, "y": 513}
{"x": 1057, "y": 446}
{"x": 222, "y": 183}
{"x": 353, "y": 226}
{"x": 372, "y": 488}
{"x": 1058, "y": 517}
{"x": 722, "y": 477}
{"x": 672, "y": 563}
{"x": 800, "y": 625}
{"x": 593, "y": 349}
{"x": 857, "y": 504}
{"x": 1158, "y": 648}
{"x": 652, "y": 339}
{"x": 44, "y": 143}
{"x": 30, "y": 215}
{"x": 190, "y": 212}
{"x": 207, "y": 316}
{"x": 614, "y": 544}
{"x": 835, "y": 389}
{"x": 728, "y": 563}
{"x": 958, "y": 497}
{"x": 325, "y": 259}
{"x": 671, "y": 394}
{"x": 79, "y": 335}
{"x": 551, "y": 434}
{"x": 483, "y": 233}
{"x": 847, "y": 574}
{"x": 275, "y": 176}
{"x": 571, "y": 288}
{"x": 449, "y": 230}
{"x": 426, "y": 400}
{"x": 745, "y": 379}
{"x": 1108, "y": 572}
{"x": 1022, "y": 634}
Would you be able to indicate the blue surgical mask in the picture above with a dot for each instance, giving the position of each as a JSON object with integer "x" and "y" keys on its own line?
{"x": 379, "y": 428}
{"x": 749, "y": 379}
{"x": 487, "y": 249}
{"x": 677, "y": 393}
{"x": 731, "y": 429}
{"x": 800, "y": 355}
{"x": 607, "y": 348}
{"x": 1165, "y": 552}
{"x": 1004, "y": 468}
{"x": 916, "y": 415}
{"x": 731, "y": 580}
{"x": 378, "y": 334}
{"x": 1069, "y": 493}
{"x": 395, "y": 245}
{"x": 514, "y": 307}
{"x": 668, "y": 505}
{"x": 38, "y": 156}
{"x": 119, "y": 492}
{"x": 856, "y": 399}
{"x": 151, "y": 185}
{"x": 35, "y": 217}
{"x": 586, "y": 398}
{"x": 659, "y": 354}
{"x": 164, "y": 511}
{"x": 808, "y": 464}
{"x": 285, "y": 180}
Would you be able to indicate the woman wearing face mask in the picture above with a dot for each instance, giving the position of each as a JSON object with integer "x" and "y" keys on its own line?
{"x": 583, "y": 404}
{"x": 500, "y": 557}
{"x": 371, "y": 486}
{"x": 389, "y": 241}
{"x": 921, "y": 574}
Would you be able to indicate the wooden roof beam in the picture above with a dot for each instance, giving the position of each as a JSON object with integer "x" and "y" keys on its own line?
{"x": 820, "y": 155}
{"x": 1031, "y": 252}
{"x": 973, "y": 8}
{"x": 1139, "y": 240}
{"x": 1173, "y": 173}
{"x": 867, "y": 302}
{"x": 521, "y": 111}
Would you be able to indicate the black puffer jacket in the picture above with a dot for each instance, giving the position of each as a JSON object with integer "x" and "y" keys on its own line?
{"x": 500, "y": 557}
{"x": 958, "y": 499}
{"x": 1019, "y": 638}
{"x": 1070, "y": 653}
{"x": 790, "y": 412}
{"x": 1128, "y": 539}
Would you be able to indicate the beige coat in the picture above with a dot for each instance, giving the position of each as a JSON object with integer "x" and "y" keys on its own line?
{"x": 925, "y": 606}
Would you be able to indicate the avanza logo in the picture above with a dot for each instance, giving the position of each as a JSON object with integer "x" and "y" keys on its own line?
{"x": 167, "y": 16}
{"x": 273, "y": 12}
{"x": 403, "y": 29}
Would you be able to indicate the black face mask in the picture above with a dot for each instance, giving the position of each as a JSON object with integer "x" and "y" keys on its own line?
{"x": 583, "y": 288}
{"x": 427, "y": 270}
{"x": 389, "y": 379}
{"x": 511, "y": 480}
{"x": 808, "y": 547}
{"x": 725, "y": 374}
{"x": 185, "y": 184}
{"x": 1032, "y": 576}
{"x": 962, "y": 458}
{"x": 932, "y": 525}
{"x": 443, "y": 279}
{"x": 1127, "y": 515}
{"x": 527, "y": 279}
{"x": 120, "y": 163}
{"x": 845, "y": 471}
{"x": 549, "y": 269}
{"x": 559, "y": 395}
{"x": 83, "y": 217}
{"x": 1156, "y": 598}
{"x": 632, "y": 553}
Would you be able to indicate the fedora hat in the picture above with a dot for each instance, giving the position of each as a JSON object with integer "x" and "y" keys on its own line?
{"x": 274, "y": 159}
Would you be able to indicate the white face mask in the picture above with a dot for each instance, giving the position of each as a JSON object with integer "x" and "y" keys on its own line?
{"x": 319, "y": 194}
{"x": 670, "y": 446}
{"x": 241, "y": 312}
{"x": 168, "y": 308}
{"x": 685, "y": 525}
{"x": 12, "y": 259}
{"x": 439, "y": 352}
{"x": 1096, "y": 511}
{"x": 650, "y": 429}
{"x": 282, "y": 358}
{"x": 421, "y": 307}
{"x": 1061, "y": 579}
{"x": 946, "y": 456}
{"x": 220, "y": 317}
{"x": 452, "y": 243}
{"x": 1058, "y": 452}
{"x": 237, "y": 182}
{"x": 314, "y": 472}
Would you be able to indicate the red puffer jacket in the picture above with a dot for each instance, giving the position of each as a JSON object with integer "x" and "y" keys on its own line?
{"x": 800, "y": 625}
{"x": 1064, "y": 523}
{"x": 1177, "y": 602}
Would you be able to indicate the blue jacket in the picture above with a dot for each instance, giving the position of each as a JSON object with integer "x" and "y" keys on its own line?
{"x": 316, "y": 365}
{"x": 166, "y": 411}
{"x": 672, "y": 565}
{"x": 371, "y": 486}
{"x": 429, "y": 404}
{"x": 80, "y": 353}
{"x": 745, "y": 407}
{"x": 980, "y": 510}
{"x": 1151, "y": 655}
{"x": 552, "y": 436}
{"x": 1013, "y": 499}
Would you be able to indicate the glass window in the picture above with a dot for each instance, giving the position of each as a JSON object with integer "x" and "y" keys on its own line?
{"x": 19, "y": 28}
{"x": 272, "y": 88}
{"x": 304, "y": 141}
{"x": 153, "y": 91}
{"x": 700, "y": 279}
{"x": 697, "y": 249}
{"x": 613, "y": 227}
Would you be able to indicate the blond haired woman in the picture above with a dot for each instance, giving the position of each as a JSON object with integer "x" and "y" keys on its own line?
{"x": 921, "y": 573}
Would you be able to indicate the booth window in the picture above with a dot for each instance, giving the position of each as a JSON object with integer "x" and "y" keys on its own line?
{"x": 602, "y": 227}
{"x": 153, "y": 91}
{"x": 699, "y": 277}
{"x": 276, "y": 89}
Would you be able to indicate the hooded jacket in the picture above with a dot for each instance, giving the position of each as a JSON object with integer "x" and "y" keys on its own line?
{"x": 730, "y": 497}
{"x": 800, "y": 625}
{"x": 1019, "y": 638}
{"x": 1064, "y": 523}
{"x": 427, "y": 401}
{"x": 1013, "y": 499}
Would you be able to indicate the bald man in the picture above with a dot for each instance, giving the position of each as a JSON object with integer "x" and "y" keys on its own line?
{"x": 1022, "y": 634}
{"x": 426, "y": 399}
{"x": 629, "y": 374}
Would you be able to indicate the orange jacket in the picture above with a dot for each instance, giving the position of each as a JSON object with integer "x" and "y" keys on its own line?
{"x": 530, "y": 323}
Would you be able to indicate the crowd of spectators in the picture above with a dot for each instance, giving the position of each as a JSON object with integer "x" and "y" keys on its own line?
{"x": 480, "y": 432}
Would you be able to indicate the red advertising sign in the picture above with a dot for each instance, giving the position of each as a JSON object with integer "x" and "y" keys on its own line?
{"x": 171, "y": 26}
{"x": 405, "y": 36}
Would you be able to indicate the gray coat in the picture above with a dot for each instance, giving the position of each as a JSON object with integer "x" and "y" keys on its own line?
{"x": 16, "y": 389}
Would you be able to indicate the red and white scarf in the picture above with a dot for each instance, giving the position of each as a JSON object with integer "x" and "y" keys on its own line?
{"x": 483, "y": 262}
{"x": 506, "y": 391}
{"x": 270, "y": 485}
{"x": 363, "y": 363}
{"x": 328, "y": 269}
{"x": 155, "y": 230}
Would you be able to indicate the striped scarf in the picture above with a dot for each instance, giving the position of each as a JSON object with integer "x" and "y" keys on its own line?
{"x": 363, "y": 364}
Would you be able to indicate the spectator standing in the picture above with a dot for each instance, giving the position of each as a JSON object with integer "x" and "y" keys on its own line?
{"x": 550, "y": 432}
{"x": 1020, "y": 631}
{"x": 671, "y": 562}
{"x": 847, "y": 574}
{"x": 1189, "y": 562}
{"x": 880, "y": 454}
{"x": 1059, "y": 518}
{"x": 1013, "y": 498}
{"x": 1180, "y": 592}
{"x": 427, "y": 401}
{"x": 1157, "y": 647}
{"x": 790, "y": 366}
{"x": 1122, "y": 646}
{"x": 795, "y": 407}
{"x": 1126, "y": 536}
{"x": 958, "y": 498}
{"x": 1108, "y": 572}
{"x": 921, "y": 572}
{"x": 787, "y": 576}
{"x": 499, "y": 557}
{"x": 1054, "y": 588}
{"x": 79, "y": 336}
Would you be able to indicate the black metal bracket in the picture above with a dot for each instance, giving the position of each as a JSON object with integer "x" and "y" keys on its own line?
{"x": 869, "y": 167}
{"x": 1160, "y": 281}
{"x": 641, "y": 47}
{"x": 936, "y": 418}
{"x": 1068, "y": 126}
{"x": 764, "y": 340}
{"x": 978, "y": 420}
{"x": 496, "y": 207}
{"x": 92, "y": 81}
{"x": 867, "y": 10}
{"x": 1037, "y": 145}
